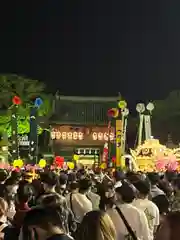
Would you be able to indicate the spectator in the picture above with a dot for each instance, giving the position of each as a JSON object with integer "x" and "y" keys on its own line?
{"x": 24, "y": 195}
{"x": 135, "y": 218}
{"x": 170, "y": 228}
{"x": 155, "y": 190}
{"x": 78, "y": 202}
{"x": 44, "y": 223}
{"x": 148, "y": 207}
{"x": 96, "y": 225}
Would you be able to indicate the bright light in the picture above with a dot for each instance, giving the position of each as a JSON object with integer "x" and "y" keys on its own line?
{"x": 67, "y": 135}
{"x": 5, "y": 148}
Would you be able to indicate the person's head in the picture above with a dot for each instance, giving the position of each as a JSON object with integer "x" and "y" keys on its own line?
{"x": 125, "y": 193}
{"x": 118, "y": 175}
{"x": 176, "y": 184}
{"x": 153, "y": 178}
{"x": 63, "y": 178}
{"x": 143, "y": 187}
{"x": 49, "y": 180}
{"x": 73, "y": 186}
{"x": 3, "y": 175}
{"x": 96, "y": 225}
{"x": 53, "y": 200}
{"x": 84, "y": 185}
{"x": 170, "y": 228}
{"x": 24, "y": 193}
{"x": 16, "y": 176}
{"x": 41, "y": 223}
{"x": 162, "y": 203}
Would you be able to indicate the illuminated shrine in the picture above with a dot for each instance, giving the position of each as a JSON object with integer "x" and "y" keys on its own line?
{"x": 79, "y": 126}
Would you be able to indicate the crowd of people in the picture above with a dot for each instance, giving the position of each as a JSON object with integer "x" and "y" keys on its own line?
{"x": 86, "y": 204}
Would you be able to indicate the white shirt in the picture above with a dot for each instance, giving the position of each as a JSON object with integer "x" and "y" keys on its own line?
{"x": 80, "y": 205}
{"x": 151, "y": 211}
{"x": 136, "y": 219}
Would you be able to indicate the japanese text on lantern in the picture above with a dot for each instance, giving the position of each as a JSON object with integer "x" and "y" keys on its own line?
{"x": 67, "y": 135}
{"x": 102, "y": 136}
{"x": 95, "y": 136}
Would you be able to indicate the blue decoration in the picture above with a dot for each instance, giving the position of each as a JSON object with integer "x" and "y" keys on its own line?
{"x": 38, "y": 102}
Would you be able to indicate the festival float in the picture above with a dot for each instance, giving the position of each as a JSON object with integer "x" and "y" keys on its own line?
{"x": 153, "y": 156}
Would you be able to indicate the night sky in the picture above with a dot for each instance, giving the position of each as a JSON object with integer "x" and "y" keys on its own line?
{"x": 97, "y": 47}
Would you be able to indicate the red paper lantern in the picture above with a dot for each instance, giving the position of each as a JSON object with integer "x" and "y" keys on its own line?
{"x": 59, "y": 161}
{"x": 16, "y": 100}
{"x": 113, "y": 113}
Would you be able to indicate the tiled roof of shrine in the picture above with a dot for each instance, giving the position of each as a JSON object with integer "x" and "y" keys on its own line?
{"x": 82, "y": 110}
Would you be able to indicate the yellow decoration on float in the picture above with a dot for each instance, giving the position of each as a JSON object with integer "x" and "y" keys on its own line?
{"x": 116, "y": 112}
{"x": 18, "y": 163}
{"x": 42, "y": 163}
{"x": 103, "y": 165}
{"x": 70, "y": 165}
{"x": 76, "y": 157}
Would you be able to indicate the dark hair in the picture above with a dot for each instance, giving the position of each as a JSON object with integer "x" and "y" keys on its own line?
{"x": 162, "y": 203}
{"x": 50, "y": 178}
{"x": 24, "y": 193}
{"x": 174, "y": 223}
{"x": 84, "y": 184}
{"x": 63, "y": 178}
{"x": 126, "y": 191}
{"x": 53, "y": 200}
{"x": 44, "y": 217}
{"x": 3, "y": 175}
{"x": 153, "y": 178}
{"x": 143, "y": 186}
{"x": 176, "y": 182}
{"x": 73, "y": 186}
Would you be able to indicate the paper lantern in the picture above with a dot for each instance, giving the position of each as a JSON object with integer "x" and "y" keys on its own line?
{"x": 172, "y": 163}
{"x": 160, "y": 164}
{"x": 113, "y": 113}
{"x": 42, "y": 163}
{"x": 76, "y": 157}
{"x": 122, "y": 104}
{"x": 38, "y": 102}
{"x": 103, "y": 165}
{"x": 16, "y": 100}
{"x": 70, "y": 165}
{"x": 18, "y": 163}
{"x": 59, "y": 161}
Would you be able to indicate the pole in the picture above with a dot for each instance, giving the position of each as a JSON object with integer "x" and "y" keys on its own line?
{"x": 122, "y": 137}
{"x": 141, "y": 120}
{"x": 109, "y": 145}
{"x": 33, "y": 138}
{"x": 14, "y": 138}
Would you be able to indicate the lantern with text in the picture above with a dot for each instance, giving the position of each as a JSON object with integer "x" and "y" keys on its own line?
{"x": 33, "y": 136}
{"x": 14, "y": 127}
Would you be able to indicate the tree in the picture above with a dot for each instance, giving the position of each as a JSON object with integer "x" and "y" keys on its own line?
{"x": 27, "y": 90}
{"x": 166, "y": 117}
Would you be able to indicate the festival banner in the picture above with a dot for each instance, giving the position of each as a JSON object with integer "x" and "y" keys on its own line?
{"x": 118, "y": 142}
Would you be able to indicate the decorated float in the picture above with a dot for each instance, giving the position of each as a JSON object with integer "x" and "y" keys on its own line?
{"x": 153, "y": 156}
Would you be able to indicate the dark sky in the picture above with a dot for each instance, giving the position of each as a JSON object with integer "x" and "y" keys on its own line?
{"x": 94, "y": 47}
